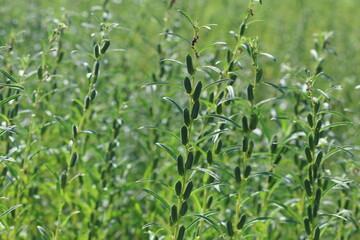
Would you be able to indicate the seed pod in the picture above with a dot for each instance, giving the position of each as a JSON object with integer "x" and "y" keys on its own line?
{"x": 73, "y": 160}
{"x": 180, "y": 165}
{"x": 187, "y": 85}
{"x": 218, "y": 147}
{"x": 219, "y": 109}
{"x": 317, "y": 197}
{"x": 178, "y": 187}
{"x": 242, "y": 29}
{"x": 253, "y": 121}
{"x": 189, "y": 65}
{"x": 105, "y": 46}
{"x": 245, "y": 145}
{"x": 250, "y": 150}
{"x": 209, "y": 157}
{"x": 247, "y": 171}
{"x": 75, "y": 131}
{"x": 93, "y": 94}
{"x": 310, "y": 173}
{"x": 186, "y": 114}
{"x": 230, "y": 228}
{"x": 189, "y": 160}
{"x": 174, "y": 213}
{"x": 183, "y": 209}
{"x": 317, "y": 106}
{"x": 241, "y": 222}
{"x": 197, "y": 91}
{"x": 317, "y": 233}
{"x": 310, "y": 119}
{"x": 237, "y": 174}
{"x": 315, "y": 171}
{"x": 307, "y": 188}
{"x": 228, "y": 56}
{"x": 96, "y": 71}
{"x": 211, "y": 97}
{"x": 184, "y": 135}
{"x": 188, "y": 190}
{"x": 97, "y": 51}
{"x": 181, "y": 233}
{"x": 316, "y": 137}
{"x": 274, "y": 145}
{"x": 259, "y": 73}
{"x": 309, "y": 212}
{"x": 307, "y": 226}
{"x": 308, "y": 154}
{"x": 311, "y": 142}
{"x": 319, "y": 158}
{"x": 209, "y": 202}
{"x": 40, "y": 73}
{"x": 195, "y": 110}
{"x": 250, "y": 92}
{"x": 63, "y": 179}
{"x": 315, "y": 210}
{"x": 245, "y": 124}
{"x": 277, "y": 159}
{"x": 318, "y": 125}
{"x": 87, "y": 102}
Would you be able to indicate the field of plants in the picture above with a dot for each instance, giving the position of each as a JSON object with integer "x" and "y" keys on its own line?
{"x": 175, "y": 119}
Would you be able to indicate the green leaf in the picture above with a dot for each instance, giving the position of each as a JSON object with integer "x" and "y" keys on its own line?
{"x": 167, "y": 149}
{"x": 161, "y": 129}
{"x": 215, "y": 69}
{"x": 216, "y": 82}
{"x": 10, "y": 210}
{"x": 232, "y": 122}
{"x": 324, "y": 94}
{"x": 207, "y": 219}
{"x": 174, "y": 103}
{"x": 210, "y": 45}
{"x": 211, "y": 173}
{"x": 68, "y": 217}
{"x": 163, "y": 83}
{"x": 338, "y": 124}
{"x": 156, "y": 224}
{"x": 7, "y": 75}
{"x": 334, "y": 113}
{"x": 6, "y": 100}
{"x": 187, "y": 17}
{"x": 269, "y": 56}
{"x": 266, "y": 101}
{"x": 280, "y": 89}
{"x": 12, "y": 86}
{"x": 43, "y": 233}
{"x": 177, "y": 35}
{"x": 288, "y": 209}
{"x": 164, "y": 202}
{"x": 156, "y": 181}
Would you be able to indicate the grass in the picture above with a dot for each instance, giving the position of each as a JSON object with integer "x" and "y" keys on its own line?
{"x": 188, "y": 120}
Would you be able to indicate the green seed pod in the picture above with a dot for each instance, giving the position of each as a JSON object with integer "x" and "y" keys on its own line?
{"x": 245, "y": 145}
{"x": 259, "y": 73}
{"x": 309, "y": 212}
{"x": 310, "y": 173}
{"x": 316, "y": 137}
{"x": 178, "y": 188}
{"x": 250, "y": 92}
{"x": 308, "y": 154}
{"x": 315, "y": 171}
{"x": 209, "y": 157}
{"x": 186, "y": 114}
{"x": 231, "y": 66}
{"x": 96, "y": 71}
{"x": 173, "y": 214}
{"x": 317, "y": 106}
{"x": 183, "y": 209}
{"x": 211, "y": 97}
{"x": 187, "y": 85}
{"x": 318, "y": 125}
{"x": 315, "y": 210}
{"x": 218, "y": 147}
{"x": 307, "y": 226}
{"x": 87, "y": 102}
{"x": 317, "y": 233}
{"x": 188, "y": 190}
{"x": 245, "y": 124}
{"x": 307, "y": 188}
{"x": 247, "y": 171}
{"x": 219, "y": 109}
{"x": 93, "y": 94}
{"x": 105, "y": 46}
{"x": 189, "y": 160}
{"x": 195, "y": 110}
{"x": 209, "y": 202}
{"x": 228, "y": 56}
{"x": 197, "y": 91}
{"x": 319, "y": 158}
{"x": 277, "y": 159}
{"x": 75, "y": 131}
{"x": 242, "y": 29}
{"x": 73, "y": 160}
{"x": 310, "y": 119}
{"x": 184, "y": 135}
{"x": 97, "y": 51}
{"x": 274, "y": 145}
{"x": 181, "y": 233}
{"x": 189, "y": 65}
{"x": 311, "y": 142}
{"x": 230, "y": 228}
{"x": 241, "y": 222}
{"x": 250, "y": 150}
{"x": 40, "y": 73}
{"x": 63, "y": 179}
{"x": 237, "y": 174}
{"x": 253, "y": 121}
{"x": 180, "y": 165}
{"x": 317, "y": 196}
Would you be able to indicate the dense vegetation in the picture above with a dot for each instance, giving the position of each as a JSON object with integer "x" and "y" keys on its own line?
{"x": 179, "y": 120}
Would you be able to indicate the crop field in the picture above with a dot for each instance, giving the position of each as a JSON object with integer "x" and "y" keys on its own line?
{"x": 179, "y": 119}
